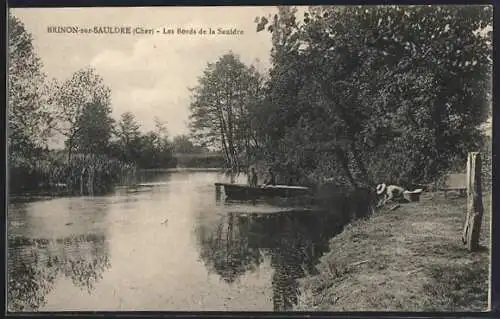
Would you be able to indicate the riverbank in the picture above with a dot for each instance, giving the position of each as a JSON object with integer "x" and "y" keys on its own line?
{"x": 408, "y": 259}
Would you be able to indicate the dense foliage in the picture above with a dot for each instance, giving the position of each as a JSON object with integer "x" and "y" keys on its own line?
{"x": 363, "y": 95}
{"x": 387, "y": 94}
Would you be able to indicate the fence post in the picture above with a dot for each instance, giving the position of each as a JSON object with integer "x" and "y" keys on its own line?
{"x": 472, "y": 227}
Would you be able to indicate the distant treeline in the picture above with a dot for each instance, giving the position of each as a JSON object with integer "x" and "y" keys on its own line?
{"x": 199, "y": 160}
{"x": 358, "y": 95}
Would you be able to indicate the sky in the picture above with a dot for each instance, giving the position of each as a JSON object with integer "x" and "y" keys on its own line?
{"x": 149, "y": 75}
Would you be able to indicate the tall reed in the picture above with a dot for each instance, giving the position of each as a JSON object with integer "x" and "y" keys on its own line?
{"x": 85, "y": 174}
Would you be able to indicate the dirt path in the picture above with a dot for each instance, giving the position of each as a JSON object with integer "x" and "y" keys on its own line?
{"x": 409, "y": 259}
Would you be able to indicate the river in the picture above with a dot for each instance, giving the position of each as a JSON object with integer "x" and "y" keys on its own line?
{"x": 171, "y": 247}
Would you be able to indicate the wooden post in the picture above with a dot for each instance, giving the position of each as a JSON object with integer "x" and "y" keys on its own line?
{"x": 472, "y": 227}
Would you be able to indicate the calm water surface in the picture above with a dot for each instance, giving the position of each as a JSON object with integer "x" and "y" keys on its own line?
{"x": 167, "y": 247}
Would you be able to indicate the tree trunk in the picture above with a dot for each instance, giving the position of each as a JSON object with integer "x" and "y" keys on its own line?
{"x": 69, "y": 178}
{"x": 224, "y": 147}
{"x": 222, "y": 124}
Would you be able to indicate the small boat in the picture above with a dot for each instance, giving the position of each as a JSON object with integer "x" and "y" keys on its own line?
{"x": 242, "y": 191}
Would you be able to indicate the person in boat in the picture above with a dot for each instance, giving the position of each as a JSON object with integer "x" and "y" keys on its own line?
{"x": 253, "y": 177}
{"x": 390, "y": 193}
{"x": 271, "y": 178}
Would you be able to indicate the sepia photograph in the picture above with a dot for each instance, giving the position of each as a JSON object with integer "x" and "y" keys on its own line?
{"x": 249, "y": 158}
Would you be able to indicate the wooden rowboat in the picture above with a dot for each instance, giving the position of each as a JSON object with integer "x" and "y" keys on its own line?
{"x": 242, "y": 191}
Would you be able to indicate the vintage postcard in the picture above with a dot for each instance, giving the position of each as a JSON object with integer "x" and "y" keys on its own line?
{"x": 324, "y": 158}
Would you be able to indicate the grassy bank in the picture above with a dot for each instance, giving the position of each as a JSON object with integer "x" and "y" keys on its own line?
{"x": 409, "y": 259}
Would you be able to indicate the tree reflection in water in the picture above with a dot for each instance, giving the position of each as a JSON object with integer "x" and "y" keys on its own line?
{"x": 225, "y": 249}
{"x": 34, "y": 264}
{"x": 294, "y": 241}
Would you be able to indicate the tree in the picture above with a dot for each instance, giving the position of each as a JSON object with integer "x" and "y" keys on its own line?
{"x": 182, "y": 144}
{"x": 93, "y": 129}
{"x": 161, "y": 134}
{"x": 154, "y": 148}
{"x": 129, "y": 136}
{"x": 219, "y": 106}
{"x": 29, "y": 109}
{"x": 85, "y": 87}
{"x": 379, "y": 87}
{"x": 163, "y": 145}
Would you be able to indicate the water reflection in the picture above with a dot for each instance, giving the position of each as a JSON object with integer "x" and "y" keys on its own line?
{"x": 293, "y": 240}
{"x": 226, "y": 250}
{"x": 35, "y": 263}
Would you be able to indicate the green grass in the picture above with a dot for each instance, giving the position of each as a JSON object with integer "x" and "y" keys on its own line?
{"x": 409, "y": 259}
